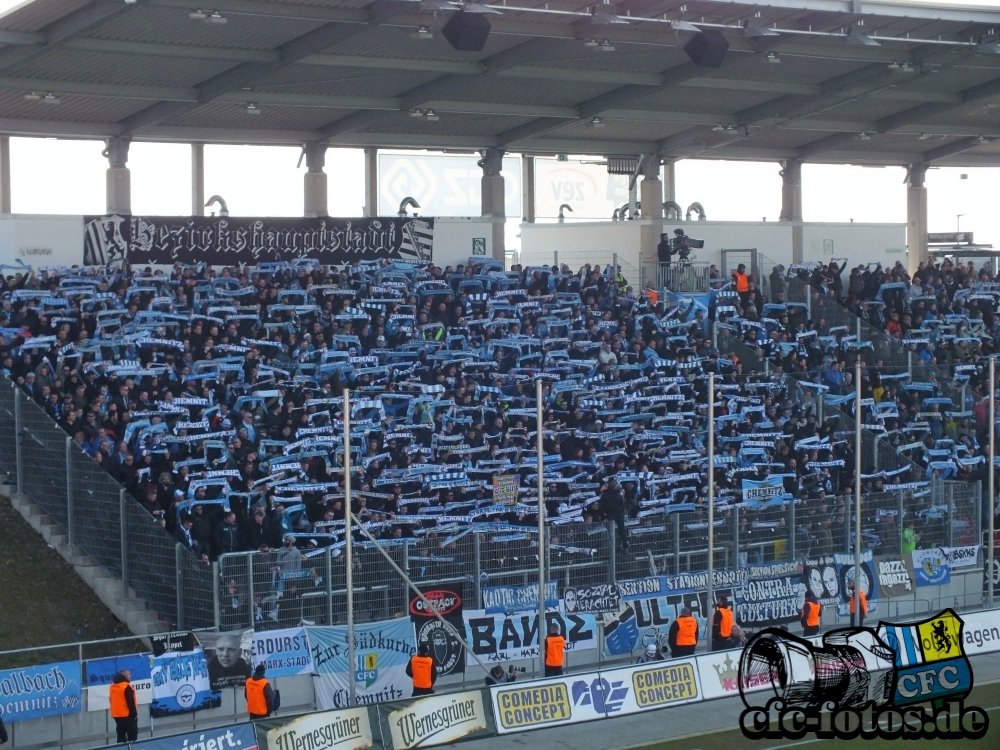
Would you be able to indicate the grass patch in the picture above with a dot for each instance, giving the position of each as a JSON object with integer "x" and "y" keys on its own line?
{"x": 44, "y": 602}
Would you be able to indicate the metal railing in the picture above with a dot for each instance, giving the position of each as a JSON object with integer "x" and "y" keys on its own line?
{"x": 683, "y": 277}
{"x": 99, "y": 517}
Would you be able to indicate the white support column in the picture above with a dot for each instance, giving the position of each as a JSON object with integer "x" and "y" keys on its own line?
{"x": 916, "y": 217}
{"x": 493, "y": 198}
{"x": 669, "y": 180}
{"x": 316, "y": 203}
{"x": 371, "y": 182}
{"x": 119, "y": 180}
{"x": 791, "y": 203}
{"x": 528, "y": 188}
{"x": 651, "y": 198}
{"x": 197, "y": 179}
{"x": 5, "y": 174}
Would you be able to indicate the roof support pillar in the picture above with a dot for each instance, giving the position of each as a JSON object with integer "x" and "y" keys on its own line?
{"x": 528, "y": 188}
{"x": 197, "y": 179}
{"x": 791, "y": 203}
{"x": 119, "y": 180}
{"x": 315, "y": 193}
{"x": 916, "y": 217}
{"x": 669, "y": 180}
{"x": 5, "y": 174}
{"x": 651, "y": 198}
{"x": 494, "y": 209}
{"x": 371, "y": 182}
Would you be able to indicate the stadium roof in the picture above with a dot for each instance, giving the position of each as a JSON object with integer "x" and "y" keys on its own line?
{"x": 842, "y": 81}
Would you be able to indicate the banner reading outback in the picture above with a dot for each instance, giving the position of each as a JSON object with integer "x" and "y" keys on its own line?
{"x": 229, "y": 240}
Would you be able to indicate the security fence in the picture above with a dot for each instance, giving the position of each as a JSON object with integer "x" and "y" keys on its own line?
{"x": 99, "y": 517}
{"x": 284, "y": 587}
{"x": 271, "y": 590}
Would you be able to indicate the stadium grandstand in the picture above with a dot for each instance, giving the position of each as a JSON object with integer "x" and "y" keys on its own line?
{"x": 317, "y": 445}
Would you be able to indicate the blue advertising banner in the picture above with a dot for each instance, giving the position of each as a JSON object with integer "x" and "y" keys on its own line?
{"x": 99, "y": 674}
{"x": 35, "y": 692}
{"x": 282, "y": 652}
{"x": 233, "y": 737}
{"x": 181, "y": 683}
{"x": 508, "y": 600}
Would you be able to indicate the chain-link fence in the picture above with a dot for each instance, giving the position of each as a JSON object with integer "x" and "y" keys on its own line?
{"x": 99, "y": 517}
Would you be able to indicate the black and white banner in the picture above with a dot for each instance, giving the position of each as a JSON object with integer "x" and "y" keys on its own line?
{"x": 228, "y": 240}
{"x": 599, "y": 599}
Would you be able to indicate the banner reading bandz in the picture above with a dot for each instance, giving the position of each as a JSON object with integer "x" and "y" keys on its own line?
{"x": 228, "y": 240}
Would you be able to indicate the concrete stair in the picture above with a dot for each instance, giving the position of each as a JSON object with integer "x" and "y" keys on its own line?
{"x": 126, "y": 606}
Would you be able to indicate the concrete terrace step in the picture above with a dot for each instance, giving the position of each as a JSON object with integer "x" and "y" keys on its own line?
{"x": 126, "y": 606}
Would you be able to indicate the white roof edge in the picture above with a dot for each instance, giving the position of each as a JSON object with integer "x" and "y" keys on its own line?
{"x": 970, "y": 12}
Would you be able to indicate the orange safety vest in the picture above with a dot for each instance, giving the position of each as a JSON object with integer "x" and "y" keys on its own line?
{"x": 812, "y": 610}
{"x": 256, "y": 702}
{"x": 726, "y": 626}
{"x": 555, "y": 651}
{"x": 422, "y": 666}
{"x": 742, "y": 282}
{"x": 687, "y": 631}
{"x": 119, "y": 706}
{"x": 654, "y": 296}
{"x": 864, "y": 604}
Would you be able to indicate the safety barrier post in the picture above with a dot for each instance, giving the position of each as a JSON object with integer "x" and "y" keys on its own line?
{"x": 179, "y": 576}
{"x": 253, "y": 608}
{"x": 992, "y": 477}
{"x": 348, "y": 547}
{"x": 539, "y": 429}
{"x": 857, "y": 485}
{"x": 899, "y": 515}
{"x": 123, "y": 522}
{"x": 477, "y": 553}
{"x": 216, "y": 613}
{"x": 791, "y": 528}
{"x": 70, "y": 535}
{"x": 329, "y": 585}
{"x": 19, "y": 469}
{"x": 711, "y": 493}
{"x": 677, "y": 543}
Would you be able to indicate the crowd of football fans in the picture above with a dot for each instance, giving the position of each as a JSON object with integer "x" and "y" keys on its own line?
{"x": 216, "y": 397}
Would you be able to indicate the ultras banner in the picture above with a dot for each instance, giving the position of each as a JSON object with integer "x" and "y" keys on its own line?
{"x": 251, "y": 240}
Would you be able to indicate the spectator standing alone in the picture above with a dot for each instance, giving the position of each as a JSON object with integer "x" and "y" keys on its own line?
{"x": 741, "y": 282}
{"x": 853, "y": 605}
{"x": 555, "y": 652}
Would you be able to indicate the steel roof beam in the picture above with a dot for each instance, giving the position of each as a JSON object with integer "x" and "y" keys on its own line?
{"x": 73, "y": 25}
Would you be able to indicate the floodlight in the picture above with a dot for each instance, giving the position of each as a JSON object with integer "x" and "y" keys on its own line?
{"x": 50, "y": 98}
{"x": 597, "y": 122}
{"x": 681, "y": 25}
{"x": 252, "y": 108}
{"x": 422, "y": 33}
{"x": 860, "y": 40}
{"x": 607, "y": 46}
{"x": 216, "y": 17}
{"x": 773, "y": 57}
{"x": 751, "y": 32}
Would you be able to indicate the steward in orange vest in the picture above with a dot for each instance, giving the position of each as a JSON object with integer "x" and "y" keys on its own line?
{"x": 423, "y": 670}
{"x": 810, "y": 615}
{"x": 259, "y": 694}
{"x": 555, "y": 652}
{"x": 683, "y": 635}
{"x": 121, "y": 694}
{"x": 860, "y": 620}
{"x": 722, "y": 625}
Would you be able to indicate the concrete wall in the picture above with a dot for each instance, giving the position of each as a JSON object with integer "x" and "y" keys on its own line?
{"x": 40, "y": 240}
{"x": 578, "y": 243}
